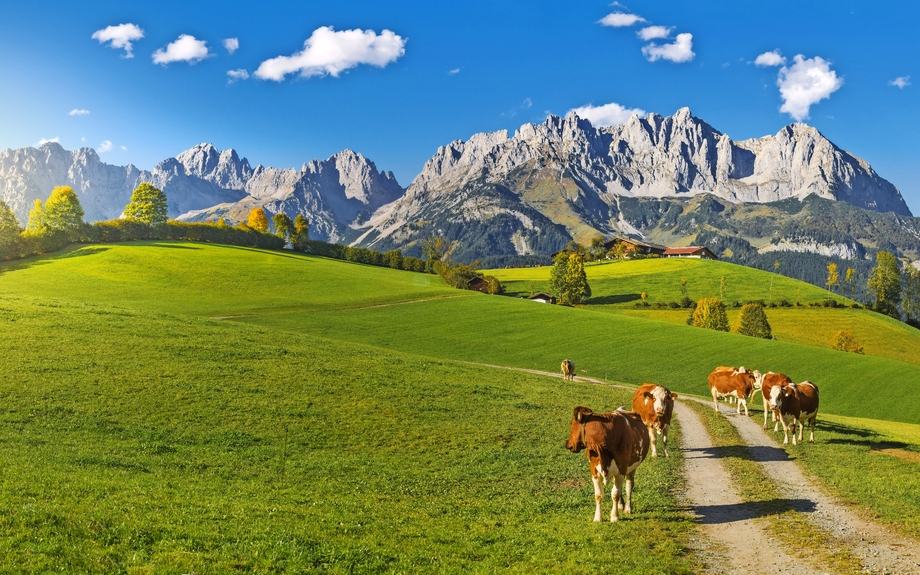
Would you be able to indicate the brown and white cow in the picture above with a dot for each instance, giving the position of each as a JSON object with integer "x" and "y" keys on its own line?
{"x": 568, "y": 370}
{"x": 765, "y": 383}
{"x": 738, "y": 383}
{"x": 796, "y": 403}
{"x": 616, "y": 443}
{"x": 655, "y": 404}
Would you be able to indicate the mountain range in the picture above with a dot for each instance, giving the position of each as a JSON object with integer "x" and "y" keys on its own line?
{"x": 674, "y": 180}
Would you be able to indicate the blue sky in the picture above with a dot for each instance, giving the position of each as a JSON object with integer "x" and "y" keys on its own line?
{"x": 395, "y": 81}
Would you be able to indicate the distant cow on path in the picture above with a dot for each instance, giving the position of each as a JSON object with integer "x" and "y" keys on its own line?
{"x": 616, "y": 444}
{"x": 655, "y": 404}
{"x": 796, "y": 404}
{"x": 738, "y": 383}
{"x": 568, "y": 370}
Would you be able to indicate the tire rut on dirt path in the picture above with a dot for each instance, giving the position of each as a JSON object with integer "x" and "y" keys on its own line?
{"x": 722, "y": 514}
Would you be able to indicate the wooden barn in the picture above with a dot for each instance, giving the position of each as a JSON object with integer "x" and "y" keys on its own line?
{"x": 689, "y": 252}
{"x": 543, "y": 297}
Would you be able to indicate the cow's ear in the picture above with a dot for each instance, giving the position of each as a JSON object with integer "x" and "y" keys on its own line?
{"x": 649, "y": 396}
{"x": 673, "y": 396}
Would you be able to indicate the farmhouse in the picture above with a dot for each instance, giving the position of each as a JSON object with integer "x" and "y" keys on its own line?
{"x": 689, "y": 252}
{"x": 543, "y": 297}
{"x": 637, "y": 247}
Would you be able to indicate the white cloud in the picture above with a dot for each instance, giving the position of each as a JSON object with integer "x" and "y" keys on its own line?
{"x": 119, "y": 37}
{"x": 124, "y": 148}
{"x": 680, "y": 51}
{"x": 329, "y": 52}
{"x": 238, "y": 74}
{"x": 610, "y": 114}
{"x": 619, "y": 19}
{"x": 231, "y": 44}
{"x": 43, "y": 141}
{"x": 454, "y": 71}
{"x": 773, "y": 58}
{"x": 77, "y": 112}
{"x": 104, "y": 147}
{"x": 901, "y": 82}
{"x": 807, "y": 82}
{"x": 186, "y": 48}
{"x": 652, "y": 32}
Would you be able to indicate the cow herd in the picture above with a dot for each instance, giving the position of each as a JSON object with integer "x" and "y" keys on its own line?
{"x": 618, "y": 442}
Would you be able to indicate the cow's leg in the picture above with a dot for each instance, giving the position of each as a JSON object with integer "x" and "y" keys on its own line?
{"x": 715, "y": 399}
{"x": 664, "y": 439}
{"x": 615, "y": 496}
{"x": 627, "y": 492}
{"x": 786, "y": 431}
{"x": 651, "y": 437}
{"x": 743, "y": 402}
{"x": 766, "y": 408}
{"x": 598, "y": 496}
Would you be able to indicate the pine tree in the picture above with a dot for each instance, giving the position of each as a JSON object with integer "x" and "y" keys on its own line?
{"x": 753, "y": 322}
{"x": 710, "y": 314}
{"x": 257, "y": 220}
{"x": 147, "y": 205}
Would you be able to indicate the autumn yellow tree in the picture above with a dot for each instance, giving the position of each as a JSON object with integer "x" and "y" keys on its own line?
{"x": 258, "y": 220}
{"x": 710, "y": 314}
{"x": 63, "y": 210}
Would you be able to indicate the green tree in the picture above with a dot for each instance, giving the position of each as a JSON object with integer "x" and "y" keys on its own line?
{"x": 284, "y": 225}
{"x": 833, "y": 278}
{"x": 885, "y": 284}
{"x": 596, "y": 249}
{"x": 753, "y": 322}
{"x": 147, "y": 205}
{"x": 619, "y": 250}
{"x": 710, "y": 314}
{"x": 722, "y": 288}
{"x": 300, "y": 239}
{"x": 9, "y": 229}
{"x": 36, "y": 217}
{"x": 910, "y": 303}
{"x": 257, "y": 220}
{"x": 63, "y": 210}
{"x": 568, "y": 280}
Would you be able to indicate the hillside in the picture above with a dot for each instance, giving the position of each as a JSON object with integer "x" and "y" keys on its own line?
{"x": 351, "y": 302}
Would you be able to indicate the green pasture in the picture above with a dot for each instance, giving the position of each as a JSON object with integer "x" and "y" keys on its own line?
{"x": 416, "y": 313}
{"x": 136, "y": 441}
{"x": 621, "y": 283}
{"x": 879, "y": 334}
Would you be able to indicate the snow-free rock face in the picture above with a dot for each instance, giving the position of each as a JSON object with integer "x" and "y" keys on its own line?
{"x": 577, "y": 176}
{"x": 332, "y": 194}
{"x": 203, "y": 183}
{"x": 29, "y": 174}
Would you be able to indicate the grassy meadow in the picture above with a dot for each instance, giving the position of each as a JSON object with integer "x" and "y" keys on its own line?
{"x": 178, "y": 408}
{"x": 144, "y": 442}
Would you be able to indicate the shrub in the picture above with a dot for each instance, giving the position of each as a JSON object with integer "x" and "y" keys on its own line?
{"x": 844, "y": 341}
{"x": 686, "y": 302}
{"x": 675, "y": 305}
{"x": 710, "y": 314}
{"x": 753, "y": 322}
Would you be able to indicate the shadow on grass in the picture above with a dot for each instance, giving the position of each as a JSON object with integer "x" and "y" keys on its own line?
{"x": 612, "y": 299}
{"x": 71, "y": 251}
{"x": 730, "y": 513}
{"x": 176, "y": 246}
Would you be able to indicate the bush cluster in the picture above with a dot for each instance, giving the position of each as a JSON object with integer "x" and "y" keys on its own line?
{"x": 391, "y": 259}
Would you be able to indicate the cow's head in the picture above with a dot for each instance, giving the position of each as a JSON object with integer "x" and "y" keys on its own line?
{"x": 758, "y": 380}
{"x": 576, "y": 441}
{"x": 780, "y": 392}
{"x": 660, "y": 397}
